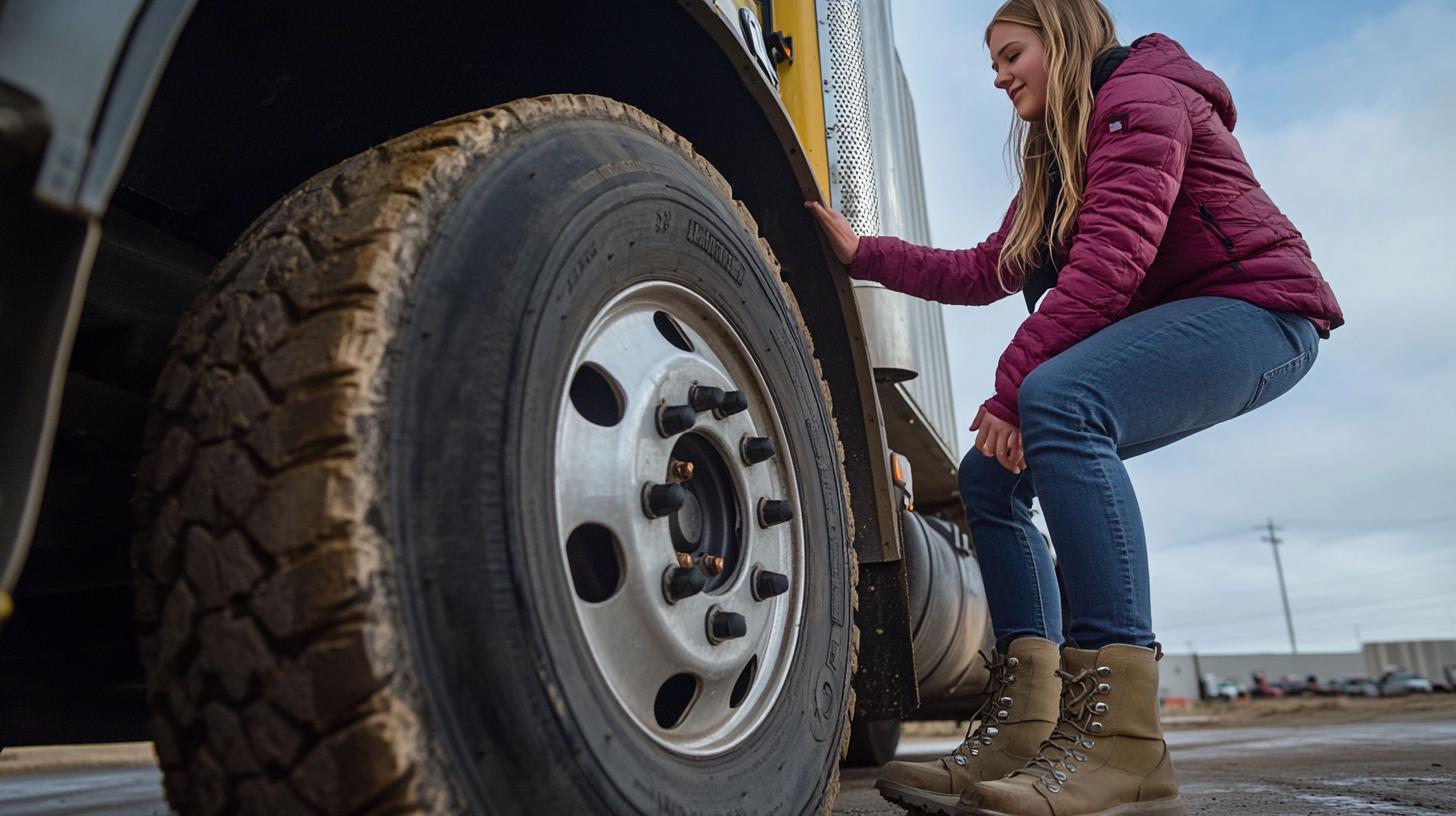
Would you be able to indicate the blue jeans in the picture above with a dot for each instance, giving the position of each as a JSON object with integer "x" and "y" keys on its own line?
{"x": 1137, "y": 385}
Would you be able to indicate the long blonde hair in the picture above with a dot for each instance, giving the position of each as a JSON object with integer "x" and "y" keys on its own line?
{"x": 1072, "y": 32}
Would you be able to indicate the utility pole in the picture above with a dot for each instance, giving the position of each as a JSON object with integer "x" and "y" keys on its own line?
{"x": 1274, "y": 542}
{"x": 1198, "y": 672}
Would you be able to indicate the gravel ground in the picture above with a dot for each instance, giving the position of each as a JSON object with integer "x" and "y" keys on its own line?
{"x": 1281, "y": 758}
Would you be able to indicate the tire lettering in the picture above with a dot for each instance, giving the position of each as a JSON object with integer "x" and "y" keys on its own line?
{"x": 582, "y": 264}
{"x": 664, "y": 221}
{"x": 716, "y": 249}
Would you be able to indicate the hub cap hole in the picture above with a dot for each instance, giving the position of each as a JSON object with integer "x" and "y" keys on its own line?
{"x": 674, "y": 699}
{"x": 671, "y": 331}
{"x": 745, "y": 682}
{"x": 595, "y": 558}
{"x": 596, "y": 397}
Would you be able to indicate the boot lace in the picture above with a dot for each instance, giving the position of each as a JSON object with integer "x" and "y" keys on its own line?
{"x": 1076, "y": 730}
{"x": 994, "y": 709}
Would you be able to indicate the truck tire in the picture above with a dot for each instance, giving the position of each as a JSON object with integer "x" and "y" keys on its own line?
{"x": 400, "y": 547}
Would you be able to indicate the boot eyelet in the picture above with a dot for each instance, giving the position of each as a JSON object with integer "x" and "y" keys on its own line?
{"x": 1006, "y": 701}
{"x": 1010, "y": 679}
{"x": 1061, "y": 777}
{"x": 1079, "y": 756}
{"x": 974, "y": 752}
{"x": 992, "y": 730}
{"x": 1103, "y": 688}
{"x": 1099, "y": 708}
{"x": 1003, "y": 714}
{"x": 1104, "y": 671}
{"x": 1095, "y": 728}
{"x": 985, "y": 740}
{"x": 1069, "y": 766}
{"x": 1054, "y": 787}
{"x": 1012, "y": 662}
{"x": 1086, "y": 743}
{"x": 960, "y": 760}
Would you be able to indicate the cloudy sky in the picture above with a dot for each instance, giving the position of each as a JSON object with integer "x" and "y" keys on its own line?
{"x": 1347, "y": 111}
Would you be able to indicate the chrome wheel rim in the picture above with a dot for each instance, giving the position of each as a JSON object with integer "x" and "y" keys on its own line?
{"x": 689, "y": 689}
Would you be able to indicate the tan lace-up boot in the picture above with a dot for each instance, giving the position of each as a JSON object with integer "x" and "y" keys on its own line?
{"x": 1106, "y": 756}
{"x": 1020, "y": 709}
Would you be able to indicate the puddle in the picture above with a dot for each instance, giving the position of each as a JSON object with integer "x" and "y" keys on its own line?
{"x": 1354, "y": 804}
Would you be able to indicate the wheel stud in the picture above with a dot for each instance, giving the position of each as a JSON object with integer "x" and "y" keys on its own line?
{"x": 725, "y": 625}
{"x": 679, "y": 470}
{"x": 768, "y": 584}
{"x": 713, "y": 565}
{"x": 773, "y": 511}
{"x": 733, "y": 402}
{"x": 705, "y": 398}
{"x": 756, "y": 449}
{"x": 674, "y": 419}
{"x": 662, "y": 499}
{"x": 682, "y": 582}
{"x": 685, "y": 560}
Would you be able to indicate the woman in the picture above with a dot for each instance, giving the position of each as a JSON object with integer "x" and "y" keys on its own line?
{"x": 1173, "y": 295}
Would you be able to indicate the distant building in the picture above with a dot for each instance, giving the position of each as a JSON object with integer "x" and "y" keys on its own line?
{"x": 1433, "y": 659}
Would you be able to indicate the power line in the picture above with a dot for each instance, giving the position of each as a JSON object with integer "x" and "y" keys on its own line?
{"x": 1377, "y": 525}
{"x": 1442, "y": 600}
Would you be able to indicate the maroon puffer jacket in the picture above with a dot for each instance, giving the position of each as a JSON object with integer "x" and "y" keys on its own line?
{"x": 1171, "y": 210}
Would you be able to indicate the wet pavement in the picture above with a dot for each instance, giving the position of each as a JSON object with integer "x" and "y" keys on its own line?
{"x": 1354, "y": 769}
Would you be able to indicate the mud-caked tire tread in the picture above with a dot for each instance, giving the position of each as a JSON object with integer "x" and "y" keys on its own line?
{"x": 270, "y": 627}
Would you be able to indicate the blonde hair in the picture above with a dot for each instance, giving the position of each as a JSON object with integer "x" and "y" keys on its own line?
{"x": 1072, "y": 33}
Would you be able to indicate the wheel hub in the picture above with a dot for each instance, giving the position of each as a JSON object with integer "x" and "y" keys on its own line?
{"x": 653, "y": 461}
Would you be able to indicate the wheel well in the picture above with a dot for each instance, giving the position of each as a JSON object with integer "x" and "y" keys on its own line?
{"x": 260, "y": 96}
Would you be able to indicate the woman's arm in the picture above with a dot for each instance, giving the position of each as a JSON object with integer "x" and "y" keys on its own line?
{"x": 961, "y": 276}
{"x": 1134, "y": 172}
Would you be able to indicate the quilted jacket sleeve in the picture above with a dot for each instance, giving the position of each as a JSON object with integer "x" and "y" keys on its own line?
{"x": 1137, "y": 146}
{"x": 964, "y": 277}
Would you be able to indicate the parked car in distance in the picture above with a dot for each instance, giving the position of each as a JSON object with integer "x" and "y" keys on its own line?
{"x": 1292, "y": 685}
{"x": 1396, "y": 683}
{"x": 1357, "y": 686}
{"x": 1221, "y": 688}
{"x": 1263, "y": 688}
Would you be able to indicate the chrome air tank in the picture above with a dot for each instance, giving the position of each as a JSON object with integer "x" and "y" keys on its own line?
{"x": 949, "y": 619}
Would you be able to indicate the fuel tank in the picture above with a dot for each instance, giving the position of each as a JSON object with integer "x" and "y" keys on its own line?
{"x": 949, "y": 618}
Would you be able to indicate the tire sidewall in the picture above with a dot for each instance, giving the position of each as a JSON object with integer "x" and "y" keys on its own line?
{"x": 546, "y": 233}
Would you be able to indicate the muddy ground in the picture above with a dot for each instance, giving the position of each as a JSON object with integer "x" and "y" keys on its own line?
{"x": 1273, "y": 758}
{"x": 1270, "y": 758}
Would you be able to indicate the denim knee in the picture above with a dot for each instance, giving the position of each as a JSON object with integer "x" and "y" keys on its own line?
{"x": 1049, "y": 400}
{"x": 986, "y": 486}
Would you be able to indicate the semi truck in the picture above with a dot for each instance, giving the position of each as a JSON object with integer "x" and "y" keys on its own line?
{"x": 452, "y": 407}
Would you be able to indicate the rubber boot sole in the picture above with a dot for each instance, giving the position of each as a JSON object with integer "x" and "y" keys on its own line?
{"x": 1157, "y": 807}
{"x": 918, "y": 801}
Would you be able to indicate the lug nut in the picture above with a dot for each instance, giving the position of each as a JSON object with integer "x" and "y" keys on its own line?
{"x": 713, "y": 564}
{"x": 685, "y": 560}
{"x": 773, "y": 511}
{"x": 757, "y": 448}
{"x": 733, "y": 402}
{"x": 705, "y": 398}
{"x": 682, "y": 582}
{"x": 725, "y": 625}
{"x": 662, "y": 499}
{"x": 680, "y": 471}
{"x": 768, "y": 584}
{"x": 674, "y": 419}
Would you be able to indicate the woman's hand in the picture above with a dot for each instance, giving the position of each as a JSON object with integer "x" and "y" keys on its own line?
{"x": 842, "y": 239}
{"x": 1000, "y": 439}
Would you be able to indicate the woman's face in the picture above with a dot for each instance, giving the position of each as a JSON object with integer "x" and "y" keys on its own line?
{"x": 1019, "y": 60}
